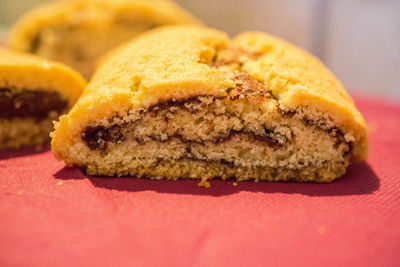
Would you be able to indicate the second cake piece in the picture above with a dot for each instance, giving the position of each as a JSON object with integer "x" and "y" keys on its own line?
{"x": 188, "y": 102}
{"x": 33, "y": 93}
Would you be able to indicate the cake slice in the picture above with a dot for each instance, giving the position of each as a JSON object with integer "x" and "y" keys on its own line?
{"x": 188, "y": 102}
{"x": 78, "y": 32}
{"x": 33, "y": 92}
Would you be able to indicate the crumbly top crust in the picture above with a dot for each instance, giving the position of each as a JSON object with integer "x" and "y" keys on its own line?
{"x": 25, "y": 71}
{"x": 179, "y": 62}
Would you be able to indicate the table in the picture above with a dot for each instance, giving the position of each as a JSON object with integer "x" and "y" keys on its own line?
{"x": 53, "y": 215}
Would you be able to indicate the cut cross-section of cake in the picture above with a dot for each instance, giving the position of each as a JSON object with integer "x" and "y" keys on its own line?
{"x": 188, "y": 102}
{"x": 33, "y": 93}
{"x": 78, "y": 32}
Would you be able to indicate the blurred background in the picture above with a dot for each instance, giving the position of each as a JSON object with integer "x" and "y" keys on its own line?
{"x": 358, "y": 39}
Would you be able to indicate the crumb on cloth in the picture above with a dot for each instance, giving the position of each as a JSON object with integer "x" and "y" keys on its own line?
{"x": 204, "y": 183}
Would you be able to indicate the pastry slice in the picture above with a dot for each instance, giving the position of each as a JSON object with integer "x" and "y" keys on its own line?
{"x": 77, "y": 32}
{"x": 33, "y": 92}
{"x": 188, "y": 102}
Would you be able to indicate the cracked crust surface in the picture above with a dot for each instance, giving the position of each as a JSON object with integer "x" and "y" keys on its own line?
{"x": 62, "y": 30}
{"x": 265, "y": 80}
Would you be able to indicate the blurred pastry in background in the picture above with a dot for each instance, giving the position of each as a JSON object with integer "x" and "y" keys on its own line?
{"x": 77, "y": 32}
{"x": 33, "y": 93}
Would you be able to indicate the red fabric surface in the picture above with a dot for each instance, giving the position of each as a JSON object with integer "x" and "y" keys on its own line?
{"x": 126, "y": 221}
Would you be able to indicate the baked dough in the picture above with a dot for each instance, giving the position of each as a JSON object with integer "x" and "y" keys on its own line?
{"x": 33, "y": 92}
{"x": 77, "y": 32}
{"x": 188, "y": 102}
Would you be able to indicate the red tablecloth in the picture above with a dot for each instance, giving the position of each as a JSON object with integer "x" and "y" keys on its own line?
{"x": 52, "y": 215}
